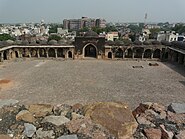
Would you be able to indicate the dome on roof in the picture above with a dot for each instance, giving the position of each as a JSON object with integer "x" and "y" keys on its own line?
{"x": 91, "y": 34}
{"x": 18, "y": 42}
{"x": 52, "y": 42}
{"x": 9, "y": 42}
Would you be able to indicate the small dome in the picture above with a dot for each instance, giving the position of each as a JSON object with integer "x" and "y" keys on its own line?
{"x": 18, "y": 42}
{"x": 52, "y": 42}
{"x": 9, "y": 42}
{"x": 43, "y": 42}
{"x": 91, "y": 34}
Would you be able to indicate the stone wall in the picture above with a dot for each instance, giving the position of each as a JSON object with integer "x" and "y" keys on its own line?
{"x": 100, "y": 120}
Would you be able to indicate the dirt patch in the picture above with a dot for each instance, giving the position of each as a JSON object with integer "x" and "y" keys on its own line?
{"x": 4, "y": 81}
{"x": 5, "y": 84}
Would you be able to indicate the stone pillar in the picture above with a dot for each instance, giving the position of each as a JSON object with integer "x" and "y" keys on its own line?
{"x": 180, "y": 58}
{"x": 29, "y": 54}
{"x": 174, "y": 57}
{"x": 142, "y": 55}
{"x": 38, "y": 54}
{"x": 133, "y": 54}
{"x": 161, "y": 55}
{"x": 152, "y": 55}
{"x": 47, "y": 53}
{"x": 123, "y": 55}
{"x": 169, "y": 56}
{"x": 56, "y": 55}
{"x": 8, "y": 55}
{"x": 20, "y": 54}
{"x": 1, "y": 57}
{"x": 113, "y": 55}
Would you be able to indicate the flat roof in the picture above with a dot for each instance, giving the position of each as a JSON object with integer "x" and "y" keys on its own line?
{"x": 177, "y": 49}
{"x": 39, "y": 46}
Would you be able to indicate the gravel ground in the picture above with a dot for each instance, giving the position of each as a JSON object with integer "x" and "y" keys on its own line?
{"x": 84, "y": 81}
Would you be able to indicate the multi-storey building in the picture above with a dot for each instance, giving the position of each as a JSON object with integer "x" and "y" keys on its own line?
{"x": 76, "y": 24}
{"x": 101, "y": 23}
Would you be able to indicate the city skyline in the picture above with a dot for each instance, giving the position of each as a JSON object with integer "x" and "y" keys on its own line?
{"x": 25, "y": 11}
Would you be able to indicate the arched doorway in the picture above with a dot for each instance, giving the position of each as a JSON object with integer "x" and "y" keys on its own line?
{"x": 5, "y": 55}
{"x": 138, "y": 53}
{"x": 16, "y": 54}
{"x": 119, "y": 53}
{"x": 157, "y": 53}
{"x": 51, "y": 52}
{"x": 42, "y": 52}
{"x": 11, "y": 55}
{"x": 25, "y": 52}
{"x": 90, "y": 51}
{"x": 128, "y": 53}
{"x": 70, "y": 54}
{"x": 148, "y": 53}
{"x": 33, "y": 53}
{"x": 60, "y": 52}
{"x": 166, "y": 55}
{"x": 110, "y": 55}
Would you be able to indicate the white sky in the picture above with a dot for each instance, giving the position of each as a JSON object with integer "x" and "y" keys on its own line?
{"x": 16, "y": 11}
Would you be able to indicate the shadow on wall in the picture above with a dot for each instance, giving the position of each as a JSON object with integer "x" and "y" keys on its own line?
{"x": 176, "y": 67}
{"x": 182, "y": 82}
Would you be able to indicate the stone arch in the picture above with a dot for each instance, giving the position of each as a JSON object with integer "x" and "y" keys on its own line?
{"x": 70, "y": 55}
{"x": 176, "y": 57}
{"x": 110, "y": 55}
{"x": 16, "y": 54}
{"x": 148, "y": 53}
{"x": 42, "y": 52}
{"x": 60, "y": 52}
{"x": 90, "y": 50}
{"x": 11, "y": 55}
{"x": 138, "y": 53}
{"x": 51, "y": 52}
{"x": 128, "y": 53}
{"x": 119, "y": 53}
{"x": 33, "y": 52}
{"x": 5, "y": 55}
{"x": 157, "y": 53}
{"x": 26, "y": 52}
{"x": 166, "y": 54}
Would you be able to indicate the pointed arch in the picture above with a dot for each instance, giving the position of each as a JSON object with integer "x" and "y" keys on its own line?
{"x": 90, "y": 50}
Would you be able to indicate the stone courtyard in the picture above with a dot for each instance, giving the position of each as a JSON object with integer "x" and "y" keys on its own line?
{"x": 84, "y": 81}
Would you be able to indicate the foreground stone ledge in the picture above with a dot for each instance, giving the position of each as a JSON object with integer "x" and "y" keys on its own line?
{"x": 101, "y": 120}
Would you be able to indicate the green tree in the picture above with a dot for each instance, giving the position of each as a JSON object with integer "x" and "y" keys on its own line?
{"x": 154, "y": 32}
{"x": 54, "y": 37}
{"x": 135, "y": 28}
{"x": 4, "y": 37}
{"x": 132, "y": 36}
{"x": 179, "y": 28}
{"x": 53, "y": 27}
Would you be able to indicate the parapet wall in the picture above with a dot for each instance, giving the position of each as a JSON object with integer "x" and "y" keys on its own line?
{"x": 97, "y": 120}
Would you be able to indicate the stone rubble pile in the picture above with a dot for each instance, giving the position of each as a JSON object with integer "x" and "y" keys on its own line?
{"x": 101, "y": 120}
{"x": 156, "y": 121}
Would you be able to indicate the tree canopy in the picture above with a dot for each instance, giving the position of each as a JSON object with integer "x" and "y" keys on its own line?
{"x": 179, "y": 28}
{"x": 53, "y": 28}
{"x": 4, "y": 37}
{"x": 135, "y": 28}
{"x": 154, "y": 32}
{"x": 54, "y": 37}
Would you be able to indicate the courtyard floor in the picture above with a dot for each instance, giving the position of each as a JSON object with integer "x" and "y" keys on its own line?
{"x": 84, "y": 81}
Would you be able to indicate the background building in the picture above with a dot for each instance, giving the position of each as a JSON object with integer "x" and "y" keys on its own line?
{"x": 84, "y": 22}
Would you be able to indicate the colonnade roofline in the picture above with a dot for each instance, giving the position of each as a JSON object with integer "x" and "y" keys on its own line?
{"x": 177, "y": 50}
{"x": 36, "y": 46}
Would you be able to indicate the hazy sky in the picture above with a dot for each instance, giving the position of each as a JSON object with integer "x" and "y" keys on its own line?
{"x": 16, "y": 11}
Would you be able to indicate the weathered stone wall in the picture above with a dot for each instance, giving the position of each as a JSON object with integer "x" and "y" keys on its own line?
{"x": 101, "y": 120}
